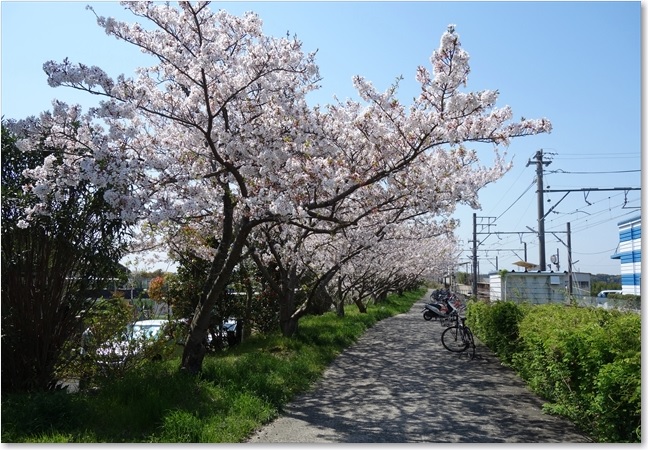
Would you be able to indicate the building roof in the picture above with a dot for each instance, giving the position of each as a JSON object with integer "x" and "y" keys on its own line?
{"x": 630, "y": 220}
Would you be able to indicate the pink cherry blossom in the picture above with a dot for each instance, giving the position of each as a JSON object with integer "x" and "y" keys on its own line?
{"x": 215, "y": 139}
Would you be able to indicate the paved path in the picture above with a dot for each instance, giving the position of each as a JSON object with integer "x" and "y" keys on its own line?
{"x": 398, "y": 384}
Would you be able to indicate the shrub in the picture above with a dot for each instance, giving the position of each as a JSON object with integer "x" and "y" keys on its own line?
{"x": 497, "y": 326}
{"x": 585, "y": 361}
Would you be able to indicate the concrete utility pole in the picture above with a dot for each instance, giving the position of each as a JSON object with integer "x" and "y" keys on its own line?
{"x": 539, "y": 162}
{"x": 570, "y": 275}
{"x": 474, "y": 257}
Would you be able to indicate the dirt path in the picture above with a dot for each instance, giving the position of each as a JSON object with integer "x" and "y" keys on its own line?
{"x": 398, "y": 384}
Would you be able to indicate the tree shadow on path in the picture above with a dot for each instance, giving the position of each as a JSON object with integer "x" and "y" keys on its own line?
{"x": 398, "y": 384}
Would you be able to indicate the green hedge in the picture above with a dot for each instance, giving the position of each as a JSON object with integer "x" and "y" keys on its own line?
{"x": 585, "y": 361}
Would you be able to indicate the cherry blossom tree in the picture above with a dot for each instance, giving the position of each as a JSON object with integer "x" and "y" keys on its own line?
{"x": 402, "y": 253}
{"x": 284, "y": 256}
{"x": 393, "y": 265}
{"x": 202, "y": 134}
{"x": 384, "y": 250}
{"x": 216, "y": 139}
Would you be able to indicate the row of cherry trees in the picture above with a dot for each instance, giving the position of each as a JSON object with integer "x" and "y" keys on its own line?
{"x": 214, "y": 151}
{"x": 353, "y": 264}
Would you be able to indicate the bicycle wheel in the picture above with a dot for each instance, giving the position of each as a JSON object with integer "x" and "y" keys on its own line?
{"x": 468, "y": 337}
{"x": 470, "y": 340}
{"x": 452, "y": 339}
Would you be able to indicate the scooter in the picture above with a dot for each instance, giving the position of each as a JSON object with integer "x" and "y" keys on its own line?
{"x": 435, "y": 310}
{"x": 442, "y": 310}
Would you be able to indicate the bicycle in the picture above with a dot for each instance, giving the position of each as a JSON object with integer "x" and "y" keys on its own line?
{"x": 450, "y": 320}
{"x": 458, "y": 338}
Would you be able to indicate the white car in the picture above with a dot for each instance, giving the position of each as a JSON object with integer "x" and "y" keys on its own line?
{"x": 148, "y": 329}
{"x": 604, "y": 294}
{"x": 136, "y": 336}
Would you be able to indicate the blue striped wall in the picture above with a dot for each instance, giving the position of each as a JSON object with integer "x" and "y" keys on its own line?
{"x": 629, "y": 254}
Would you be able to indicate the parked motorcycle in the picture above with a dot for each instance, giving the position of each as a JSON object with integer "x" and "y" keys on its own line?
{"x": 442, "y": 308}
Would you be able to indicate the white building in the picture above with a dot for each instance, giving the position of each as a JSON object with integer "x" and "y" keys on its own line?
{"x": 629, "y": 253}
{"x": 537, "y": 287}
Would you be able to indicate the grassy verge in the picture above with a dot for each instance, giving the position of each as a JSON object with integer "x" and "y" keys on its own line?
{"x": 237, "y": 392}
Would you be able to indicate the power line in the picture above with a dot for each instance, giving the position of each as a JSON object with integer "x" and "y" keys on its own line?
{"x": 603, "y": 221}
{"x": 509, "y": 189}
{"x": 597, "y": 253}
{"x": 593, "y": 154}
{"x": 537, "y": 238}
{"x": 591, "y": 214}
{"x": 599, "y": 156}
{"x": 557, "y": 223}
{"x": 591, "y": 173}
{"x": 516, "y": 200}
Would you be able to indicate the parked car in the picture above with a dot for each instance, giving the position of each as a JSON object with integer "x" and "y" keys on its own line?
{"x": 602, "y": 297}
{"x": 135, "y": 339}
{"x": 604, "y": 294}
{"x": 229, "y": 328}
{"x": 148, "y": 329}
{"x": 222, "y": 335}
{"x": 218, "y": 336}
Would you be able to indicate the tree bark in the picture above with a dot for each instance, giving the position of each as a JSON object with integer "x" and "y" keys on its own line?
{"x": 229, "y": 254}
{"x": 361, "y": 306}
{"x": 287, "y": 323}
{"x": 339, "y": 306}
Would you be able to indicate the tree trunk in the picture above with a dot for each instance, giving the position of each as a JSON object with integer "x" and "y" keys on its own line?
{"x": 287, "y": 323}
{"x": 243, "y": 329}
{"x": 380, "y": 297}
{"x": 289, "y": 327}
{"x": 320, "y": 302}
{"x": 227, "y": 257}
{"x": 339, "y": 308}
{"x": 361, "y": 306}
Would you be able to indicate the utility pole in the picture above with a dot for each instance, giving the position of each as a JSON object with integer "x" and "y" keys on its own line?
{"x": 570, "y": 275}
{"x": 526, "y": 259}
{"x": 539, "y": 162}
{"x": 475, "y": 267}
{"x": 474, "y": 257}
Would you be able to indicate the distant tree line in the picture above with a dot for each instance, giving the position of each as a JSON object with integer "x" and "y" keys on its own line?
{"x": 601, "y": 282}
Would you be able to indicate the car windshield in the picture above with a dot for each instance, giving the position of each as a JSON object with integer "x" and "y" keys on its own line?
{"x": 145, "y": 331}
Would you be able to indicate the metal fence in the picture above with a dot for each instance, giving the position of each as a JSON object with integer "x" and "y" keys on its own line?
{"x": 607, "y": 303}
{"x": 575, "y": 299}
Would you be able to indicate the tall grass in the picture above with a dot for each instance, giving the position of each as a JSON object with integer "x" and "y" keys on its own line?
{"x": 237, "y": 391}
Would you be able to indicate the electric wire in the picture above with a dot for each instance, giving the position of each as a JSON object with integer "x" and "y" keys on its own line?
{"x": 595, "y": 253}
{"x": 589, "y": 157}
{"x": 532, "y": 243}
{"x": 594, "y": 213}
{"x": 560, "y": 171}
{"x": 591, "y": 215}
{"x": 523, "y": 172}
{"x": 516, "y": 200}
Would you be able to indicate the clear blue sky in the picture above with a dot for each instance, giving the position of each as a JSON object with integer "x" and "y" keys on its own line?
{"x": 576, "y": 63}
